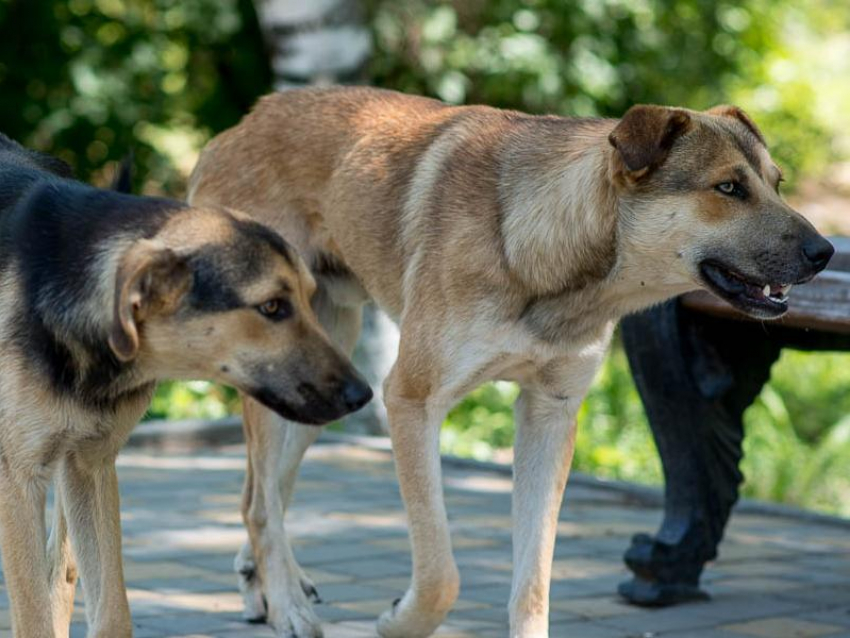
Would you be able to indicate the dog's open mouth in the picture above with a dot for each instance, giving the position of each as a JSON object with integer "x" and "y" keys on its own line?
{"x": 763, "y": 300}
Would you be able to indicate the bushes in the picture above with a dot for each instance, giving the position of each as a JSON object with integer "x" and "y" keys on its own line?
{"x": 91, "y": 79}
{"x": 796, "y": 448}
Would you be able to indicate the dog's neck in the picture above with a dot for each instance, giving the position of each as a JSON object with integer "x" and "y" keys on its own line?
{"x": 575, "y": 244}
{"x": 70, "y": 278}
{"x": 75, "y": 343}
{"x": 559, "y": 215}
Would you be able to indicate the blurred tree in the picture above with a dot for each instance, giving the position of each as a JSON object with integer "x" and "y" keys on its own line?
{"x": 318, "y": 42}
{"x": 89, "y": 79}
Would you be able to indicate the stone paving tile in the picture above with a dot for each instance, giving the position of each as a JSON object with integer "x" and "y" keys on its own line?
{"x": 585, "y": 629}
{"x": 756, "y": 584}
{"x": 345, "y": 592}
{"x": 594, "y": 608}
{"x": 776, "y": 577}
{"x": 839, "y": 616}
{"x": 785, "y": 628}
{"x": 658, "y": 621}
{"x": 818, "y": 596}
{"x": 206, "y": 584}
{"x": 705, "y": 633}
{"x": 389, "y": 566}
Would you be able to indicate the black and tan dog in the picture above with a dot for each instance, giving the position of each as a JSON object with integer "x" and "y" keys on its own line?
{"x": 506, "y": 246}
{"x": 101, "y": 295}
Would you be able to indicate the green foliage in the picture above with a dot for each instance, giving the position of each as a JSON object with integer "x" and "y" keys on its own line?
{"x": 797, "y": 447}
{"x": 585, "y": 57}
{"x": 193, "y": 400}
{"x": 90, "y": 79}
{"x": 482, "y": 422}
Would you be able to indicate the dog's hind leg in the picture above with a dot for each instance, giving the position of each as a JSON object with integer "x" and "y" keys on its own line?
{"x": 89, "y": 487}
{"x": 23, "y": 541}
{"x": 63, "y": 571}
{"x": 248, "y": 578}
{"x": 543, "y": 451}
{"x": 266, "y": 567}
{"x": 270, "y": 579}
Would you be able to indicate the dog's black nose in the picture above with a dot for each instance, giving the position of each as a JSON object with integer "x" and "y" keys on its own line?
{"x": 818, "y": 251}
{"x": 356, "y": 394}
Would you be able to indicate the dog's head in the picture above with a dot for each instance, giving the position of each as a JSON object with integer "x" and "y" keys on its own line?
{"x": 701, "y": 199}
{"x": 216, "y": 295}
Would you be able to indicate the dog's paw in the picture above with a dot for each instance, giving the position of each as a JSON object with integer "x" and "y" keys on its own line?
{"x": 250, "y": 587}
{"x": 290, "y": 610}
{"x": 405, "y": 621}
{"x": 296, "y": 621}
{"x": 308, "y": 587}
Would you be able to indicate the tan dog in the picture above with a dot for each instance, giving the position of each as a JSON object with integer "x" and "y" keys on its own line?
{"x": 101, "y": 295}
{"x": 507, "y": 247}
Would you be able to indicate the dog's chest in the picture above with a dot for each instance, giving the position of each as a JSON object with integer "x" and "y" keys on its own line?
{"x": 41, "y": 425}
{"x": 510, "y": 353}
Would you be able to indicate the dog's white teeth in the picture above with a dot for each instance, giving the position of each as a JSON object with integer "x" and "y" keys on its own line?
{"x": 766, "y": 290}
{"x": 784, "y": 288}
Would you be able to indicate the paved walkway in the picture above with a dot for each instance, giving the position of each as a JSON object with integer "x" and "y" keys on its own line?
{"x": 777, "y": 577}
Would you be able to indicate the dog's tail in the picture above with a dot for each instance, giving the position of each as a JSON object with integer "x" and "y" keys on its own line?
{"x": 122, "y": 182}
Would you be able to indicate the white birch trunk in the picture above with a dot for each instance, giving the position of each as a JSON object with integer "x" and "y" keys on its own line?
{"x": 314, "y": 41}
{"x": 325, "y": 42}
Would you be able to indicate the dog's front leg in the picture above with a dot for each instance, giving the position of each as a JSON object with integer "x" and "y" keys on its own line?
{"x": 63, "y": 571}
{"x": 543, "y": 452}
{"x": 22, "y": 538}
{"x": 415, "y": 432}
{"x": 89, "y": 489}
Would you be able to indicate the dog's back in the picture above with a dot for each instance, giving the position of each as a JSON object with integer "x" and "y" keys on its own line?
{"x": 337, "y": 169}
{"x": 13, "y": 154}
{"x": 52, "y": 224}
{"x": 22, "y": 168}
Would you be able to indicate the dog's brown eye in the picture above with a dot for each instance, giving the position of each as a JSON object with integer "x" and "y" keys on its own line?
{"x": 275, "y": 309}
{"x": 733, "y": 189}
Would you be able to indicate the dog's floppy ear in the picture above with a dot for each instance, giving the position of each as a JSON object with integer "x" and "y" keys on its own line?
{"x": 150, "y": 279}
{"x": 726, "y": 110}
{"x": 646, "y": 134}
{"x": 122, "y": 181}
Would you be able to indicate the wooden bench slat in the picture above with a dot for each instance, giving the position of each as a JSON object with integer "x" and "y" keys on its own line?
{"x": 841, "y": 259}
